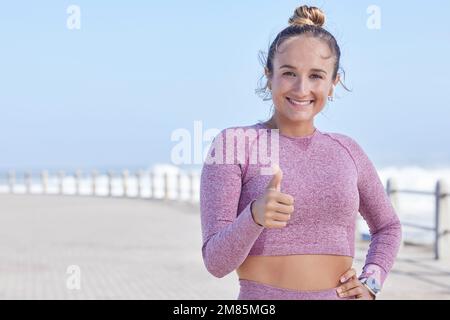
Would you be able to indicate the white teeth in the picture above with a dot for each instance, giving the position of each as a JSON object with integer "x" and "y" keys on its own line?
{"x": 300, "y": 103}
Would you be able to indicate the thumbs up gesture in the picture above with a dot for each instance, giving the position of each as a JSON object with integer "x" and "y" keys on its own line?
{"x": 273, "y": 209}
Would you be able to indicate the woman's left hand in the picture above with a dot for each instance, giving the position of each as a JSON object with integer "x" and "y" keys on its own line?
{"x": 353, "y": 287}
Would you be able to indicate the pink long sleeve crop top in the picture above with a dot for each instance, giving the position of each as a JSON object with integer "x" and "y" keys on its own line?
{"x": 331, "y": 179}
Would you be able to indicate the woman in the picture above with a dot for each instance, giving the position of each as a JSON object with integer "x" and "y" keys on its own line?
{"x": 290, "y": 235}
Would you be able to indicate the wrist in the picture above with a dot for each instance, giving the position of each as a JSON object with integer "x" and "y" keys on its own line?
{"x": 372, "y": 270}
{"x": 372, "y": 285}
{"x": 372, "y": 294}
{"x": 252, "y": 213}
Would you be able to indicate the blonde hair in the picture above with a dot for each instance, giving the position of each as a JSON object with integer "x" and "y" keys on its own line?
{"x": 305, "y": 15}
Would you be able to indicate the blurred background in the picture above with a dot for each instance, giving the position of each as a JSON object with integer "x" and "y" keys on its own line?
{"x": 94, "y": 97}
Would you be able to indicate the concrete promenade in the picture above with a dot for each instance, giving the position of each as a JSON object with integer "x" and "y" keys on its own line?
{"x": 143, "y": 249}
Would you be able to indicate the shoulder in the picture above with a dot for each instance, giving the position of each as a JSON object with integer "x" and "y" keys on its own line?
{"x": 234, "y": 138}
{"x": 348, "y": 143}
{"x": 341, "y": 138}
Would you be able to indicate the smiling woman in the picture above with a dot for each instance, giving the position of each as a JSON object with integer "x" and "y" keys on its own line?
{"x": 291, "y": 235}
{"x": 299, "y": 91}
{"x": 302, "y": 71}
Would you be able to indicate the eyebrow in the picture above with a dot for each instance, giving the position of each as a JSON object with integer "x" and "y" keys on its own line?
{"x": 291, "y": 67}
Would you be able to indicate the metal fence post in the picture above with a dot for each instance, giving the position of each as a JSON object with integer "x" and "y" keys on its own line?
{"x": 44, "y": 179}
{"x": 94, "y": 174}
{"x": 191, "y": 186}
{"x": 110, "y": 177}
{"x": 77, "y": 182}
{"x": 392, "y": 192}
{"x": 139, "y": 175}
{"x": 28, "y": 182}
{"x": 179, "y": 188}
{"x": 11, "y": 180}
{"x": 152, "y": 184}
{"x": 125, "y": 175}
{"x": 61, "y": 181}
{"x": 442, "y": 221}
{"x": 166, "y": 186}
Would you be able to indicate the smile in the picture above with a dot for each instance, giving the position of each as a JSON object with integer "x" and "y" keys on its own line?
{"x": 299, "y": 103}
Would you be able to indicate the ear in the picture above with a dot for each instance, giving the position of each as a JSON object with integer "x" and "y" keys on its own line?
{"x": 335, "y": 82}
{"x": 267, "y": 73}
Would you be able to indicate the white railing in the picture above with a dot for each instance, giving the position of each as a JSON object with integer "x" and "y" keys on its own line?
{"x": 185, "y": 186}
{"x": 441, "y": 228}
{"x": 180, "y": 186}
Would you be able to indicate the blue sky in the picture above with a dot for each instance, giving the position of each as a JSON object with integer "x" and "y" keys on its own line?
{"x": 111, "y": 93}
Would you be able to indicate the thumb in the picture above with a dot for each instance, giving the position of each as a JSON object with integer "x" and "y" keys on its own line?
{"x": 275, "y": 182}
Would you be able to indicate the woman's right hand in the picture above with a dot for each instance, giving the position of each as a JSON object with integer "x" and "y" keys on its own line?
{"x": 274, "y": 208}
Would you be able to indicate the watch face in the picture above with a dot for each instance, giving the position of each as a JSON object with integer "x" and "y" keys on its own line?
{"x": 373, "y": 284}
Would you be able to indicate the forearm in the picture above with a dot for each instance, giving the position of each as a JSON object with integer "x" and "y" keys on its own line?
{"x": 382, "y": 251}
{"x": 227, "y": 249}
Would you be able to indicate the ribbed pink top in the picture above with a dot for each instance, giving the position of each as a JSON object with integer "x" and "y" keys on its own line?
{"x": 331, "y": 179}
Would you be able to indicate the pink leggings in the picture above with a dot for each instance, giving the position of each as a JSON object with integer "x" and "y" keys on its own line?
{"x": 252, "y": 290}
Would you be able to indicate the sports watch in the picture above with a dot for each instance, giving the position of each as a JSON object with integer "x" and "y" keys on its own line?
{"x": 371, "y": 284}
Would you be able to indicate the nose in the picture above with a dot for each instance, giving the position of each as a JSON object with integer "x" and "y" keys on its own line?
{"x": 302, "y": 87}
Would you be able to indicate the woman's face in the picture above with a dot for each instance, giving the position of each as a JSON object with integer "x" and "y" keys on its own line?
{"x": 302, "y": 79}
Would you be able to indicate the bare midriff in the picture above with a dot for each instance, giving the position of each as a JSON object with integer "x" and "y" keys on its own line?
{"x": 298, "y": 272}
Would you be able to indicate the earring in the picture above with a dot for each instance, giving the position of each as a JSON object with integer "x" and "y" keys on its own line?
{"x": 330, "y": 98}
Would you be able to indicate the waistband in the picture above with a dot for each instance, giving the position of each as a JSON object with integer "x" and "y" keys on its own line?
{"x": 253, "y": 290}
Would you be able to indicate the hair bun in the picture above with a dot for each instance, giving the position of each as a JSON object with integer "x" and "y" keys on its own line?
{"x": 306, "y": 15}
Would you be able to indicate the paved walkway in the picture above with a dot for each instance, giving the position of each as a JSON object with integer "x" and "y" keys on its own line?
{"x": 142, "y": 249}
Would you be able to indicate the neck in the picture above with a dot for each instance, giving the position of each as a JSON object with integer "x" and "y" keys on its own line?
{"x": 291, "y": 129}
